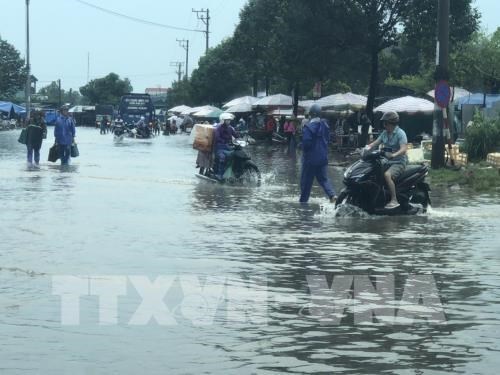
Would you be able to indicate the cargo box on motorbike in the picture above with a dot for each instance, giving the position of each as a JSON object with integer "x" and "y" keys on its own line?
{"x": 203, "y": 137}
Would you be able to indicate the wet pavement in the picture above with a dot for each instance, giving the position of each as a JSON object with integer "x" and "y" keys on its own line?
{"x": 236, "y": 264}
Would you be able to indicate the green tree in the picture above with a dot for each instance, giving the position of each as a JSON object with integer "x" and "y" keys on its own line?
{"x": 385, "y": 22}
{"x": 476, "y": 64}
{"x": 219, "y": 76}
{"x": 379, "y": 21}
{"x": 310, "y": 42}
{"x": 51, "y": 91}
{"x": 12, "y": 70}
{"x": 253, "y": 41}
{"x": 420, "y": 25}
{"x": 106, "y": 90}
{"x": 420, "y": 84}
{"x": 179, "y": 94}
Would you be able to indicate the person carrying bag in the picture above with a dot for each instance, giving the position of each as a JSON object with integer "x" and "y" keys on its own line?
{"x": 35, "y": 133}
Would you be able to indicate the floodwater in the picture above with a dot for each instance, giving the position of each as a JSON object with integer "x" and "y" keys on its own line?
{"x": 233, "y": 265}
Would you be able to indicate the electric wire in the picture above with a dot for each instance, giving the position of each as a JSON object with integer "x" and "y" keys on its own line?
{"x": 136, "y": 19}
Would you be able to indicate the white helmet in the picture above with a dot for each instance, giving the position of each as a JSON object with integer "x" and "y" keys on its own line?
{"x": 226, "y": 116}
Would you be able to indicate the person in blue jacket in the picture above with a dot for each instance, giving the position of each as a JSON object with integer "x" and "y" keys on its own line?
{"x": 315, "y": 138}
{"x": 64, "y": 132}
{"x": 224, "y": 134}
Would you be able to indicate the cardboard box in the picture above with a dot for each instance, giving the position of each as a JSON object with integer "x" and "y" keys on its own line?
{"x": 203, "y": 137}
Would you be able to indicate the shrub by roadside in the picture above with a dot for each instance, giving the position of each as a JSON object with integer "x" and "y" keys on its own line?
{"x": 478, "y": 177}
{"x": 481, "y": 137}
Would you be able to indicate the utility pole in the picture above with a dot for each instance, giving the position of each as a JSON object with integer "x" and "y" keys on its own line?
{"x": 441, "y": 75}
{"x": 179, "y": 65}
{"x": 28, "y": 67}
{"x": 60, "y": 95}
{"x": 88, "y": 67}
{"x": 184, "y": 43}
{"x": 204, "y": 16}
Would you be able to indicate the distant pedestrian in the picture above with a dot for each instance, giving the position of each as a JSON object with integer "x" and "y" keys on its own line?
{"x": 35, "y": 133}
{"x": 64, "y": 132}
{"x": 315, "y": 138}
{"x": 289, "y": 129}
{"x": 104, "y": 124}
{"x": 156, "y": 127}
{"x": 270, "y": 128}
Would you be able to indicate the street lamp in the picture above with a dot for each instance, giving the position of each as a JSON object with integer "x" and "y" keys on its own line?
{"x": 28, "y": 68}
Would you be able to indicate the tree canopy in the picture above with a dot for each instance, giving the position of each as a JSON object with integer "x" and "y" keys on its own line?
{"x": 285, "y": 45}
{"x": 12, "y": 70}
{"x": 106, "y": 90}
{"x": 476, "y": 64}
{"x": 51, "y": 91}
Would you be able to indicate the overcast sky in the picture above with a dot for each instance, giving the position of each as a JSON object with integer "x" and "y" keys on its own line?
{"x": 64, "y": 32}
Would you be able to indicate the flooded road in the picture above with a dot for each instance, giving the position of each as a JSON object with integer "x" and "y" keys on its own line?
{"x": 233, "y": 267}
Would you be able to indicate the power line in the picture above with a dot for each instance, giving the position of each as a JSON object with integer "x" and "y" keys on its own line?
{"x": 140, "y": 20}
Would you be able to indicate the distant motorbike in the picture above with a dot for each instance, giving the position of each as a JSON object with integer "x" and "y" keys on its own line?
{"x": 120, "y": 131}
{"x": 366, "y": 187}
{"x": 239, "y": 168}
{"x": 139, "y": 132}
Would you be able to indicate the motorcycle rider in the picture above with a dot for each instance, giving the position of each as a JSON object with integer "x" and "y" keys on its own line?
{"x": 224, "y": 134}
{"x": 187, "y": 122}
{"x": 315, "y": 138}
{"x": 64, "y": 133}
{"x": 141, "y": 123}
{"x": 395, "y": 146}
{"x": 142, "y": 127}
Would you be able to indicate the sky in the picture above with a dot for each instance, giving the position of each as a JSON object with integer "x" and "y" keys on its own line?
{"x": 64, "y": 33}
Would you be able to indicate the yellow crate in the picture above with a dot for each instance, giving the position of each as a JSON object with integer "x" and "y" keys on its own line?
{"x": 494, "y": 159}
{"x": 461, "y": 159}
{"x": 427, "y": 145}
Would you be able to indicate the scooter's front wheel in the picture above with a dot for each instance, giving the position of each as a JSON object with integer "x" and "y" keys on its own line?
{"x": 341, "y": 198}
{"x": 251, "y": 175}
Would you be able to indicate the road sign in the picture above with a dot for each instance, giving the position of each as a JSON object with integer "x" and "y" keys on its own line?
{"x": 442, "y": 93}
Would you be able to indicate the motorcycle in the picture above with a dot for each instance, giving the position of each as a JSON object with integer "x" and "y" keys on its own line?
{"x": 120, "y": 130}
{"x": 140, "y": 132}
{"x": 366, "y": 187}
{"x": 239, "y": 168}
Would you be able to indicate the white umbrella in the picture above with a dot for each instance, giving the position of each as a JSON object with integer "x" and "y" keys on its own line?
{"x": 174, "y": 118}
{"x": 306, "y": 104}
{"x": 343, "y": 101}
{"x": 243, "y": 100}
{"x": 179, "y": 109}
{"x": 208, "y": 111}
{"x": 456, "y": 92}
{"x": 278, "y": 100}
{"x": 192, "y": 110}
{"x": 240, "y": 108}
{"x": 407, "y": 104}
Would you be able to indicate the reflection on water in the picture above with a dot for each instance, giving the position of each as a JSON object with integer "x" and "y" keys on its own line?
{"x": 135, "y": 208}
